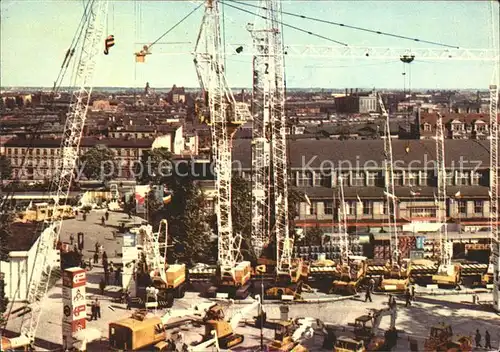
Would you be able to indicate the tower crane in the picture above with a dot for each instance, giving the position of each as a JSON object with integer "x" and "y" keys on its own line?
{"x": 269, "y": 109}
{"x": 226, "y": 116}
{"x": 61, "y": 183}
{"x": 495, "y": 236}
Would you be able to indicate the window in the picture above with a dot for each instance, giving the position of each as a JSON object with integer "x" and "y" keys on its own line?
{"x": 358, "y": 179}
{"x": 304, "y": 178}
{"x": 462, "y": 207}
{"x": 449, "y": 178}
{"x": 475, "y": 178}
{"x": 427, "y": 127}
{"x": 423, "y": 178}
{"x": 370, "y": 178}
{"x": 351, "y": 207}
{"x": 423, "y": 212}
{"x": 462, "y": 179}
{"x": 323, "y": 178}
{"x": 398, "y": 178}
{"x": 344, "y": 178}
{"x": 478, "y": 206}
{"x": 328, "y": 207}
{"x": 411, "y": 178}
{"x": 367, "y": 207}
{"x": 312, "y": 209}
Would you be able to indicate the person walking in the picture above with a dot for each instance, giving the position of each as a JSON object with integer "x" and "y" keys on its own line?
{"x": 93, "y": 310}
{"x": 104, "y": 258}
{"x": 71, "y": 239}
{"x": 111, "y": 268}
{"x": 127, "y": 299}
{"x": 96, "y": 258}
{"x": 368, "y": 295}
{"x": 118, "y": 276}
{"x": 84, "y": 216}
{"x": 90, "y": 264}
{"x": 98, "y": 308}
{"x": 408, "y": 298}
{"x": 102, "y": 286}
{"x": 413, "y": 293}
{"x": 487, "y": 340}
{"x": 478, "y": 339}
{"x": 103, "y": 221}
{"x": 96, "y": 246}
{"x": 106, "y": 215}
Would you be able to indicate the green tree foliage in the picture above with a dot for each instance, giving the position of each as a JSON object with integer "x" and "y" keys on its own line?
{"x": 5, "y": 235}
{"x": 99, "y": 163}
{"x": 188, "y": 222}
{"x": 312, "y": 236}
{"x": 241, "y": 212}
{"x": 155, "y": 166}
{"x": 5, "y": 168}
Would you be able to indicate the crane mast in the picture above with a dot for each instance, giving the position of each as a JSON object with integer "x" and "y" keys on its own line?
{"x": 225, "y": 117}
{"x": 260, "y": 142}
{"x": 269, "y": 108}
{"x": 342, "y": 227}
{"x": 389, "y": 187}
{"x": 445, "y": 255}
{"x": 61, "y": 183}
{"x": 495, "y": 237}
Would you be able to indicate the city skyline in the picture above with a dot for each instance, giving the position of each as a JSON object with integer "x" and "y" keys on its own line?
{"x": 47, "y": 28}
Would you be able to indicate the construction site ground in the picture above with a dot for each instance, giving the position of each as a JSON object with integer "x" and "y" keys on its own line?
{"x": 415, "y": 321}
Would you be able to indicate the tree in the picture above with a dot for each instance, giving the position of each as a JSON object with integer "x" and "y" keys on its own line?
{"x": 312, "y": 237}
{"x": 99, "y": 163}
{"x": 155, "y": 166}
{"x": 241, "y": 211}
{"x": 188, "y": 221}
{"x": 5, "y": 168}
{"x": 6, "y": 220}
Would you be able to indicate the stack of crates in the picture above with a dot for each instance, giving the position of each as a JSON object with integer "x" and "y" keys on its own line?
{"x": 381, "y": 251}
{"x": 406, "y": 245}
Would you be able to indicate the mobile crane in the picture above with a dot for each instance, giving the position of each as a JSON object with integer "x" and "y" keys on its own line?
{"x": 226, "y": 116}
{"x": 93, "y": 26}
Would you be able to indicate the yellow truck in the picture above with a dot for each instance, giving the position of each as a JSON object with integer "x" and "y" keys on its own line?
{"x": 44, "y": 211}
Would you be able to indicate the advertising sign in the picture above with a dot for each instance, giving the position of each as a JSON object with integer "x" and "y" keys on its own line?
{"x": 141, "y": 193}
{"x": 74, "y": 277}
{"x": 73, "y": 295}
{"x": 420, "y": 242}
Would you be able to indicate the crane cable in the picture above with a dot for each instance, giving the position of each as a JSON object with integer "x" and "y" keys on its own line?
{"x": 285, "y": 24}
{"x": 353, "y": 27}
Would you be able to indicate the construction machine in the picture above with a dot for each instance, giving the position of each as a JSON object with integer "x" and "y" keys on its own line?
{"x": 441, "y": 338}
{"x": 396, "y": 278}
{"x": 284, "y": 338}
{"x": 366, "y": 329}
{"x": 422, "y": 270}
{"x": 347, "y": 344}
{"x": 153, "y": 271}
{"x": 448, "y": 275}
{"x": 352, "y": 274}
{"x": 215, "y": 320}
{"x": 291, "y": 283}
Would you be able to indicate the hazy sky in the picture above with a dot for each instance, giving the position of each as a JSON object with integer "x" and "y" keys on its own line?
{"x": 35, "y": 35}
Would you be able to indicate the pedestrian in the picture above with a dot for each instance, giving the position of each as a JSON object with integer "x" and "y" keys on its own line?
{"x": 102, "y": 221}
{"x": 97, "y": 246}
{"x": 105, "y": 258}
{"x": 118, "y": 276}
{"x": 127, "y": 299}
{"x": 71, "y": 239}
{"x": 487, "y": 340}
{"x": 408, "y": 298}
{"x": 368, "y": 295}
{"x": 106, "y": 278}
{"x": 478, "y": 339}
{"x": 84, "y": 216}
{"x": 102, "y": 286}
{"x": 93, "y": 310}
{"x": 107, "y": 215}
{"x": 111, "y": 268}
{"x": 130, "y": 214}
{"x": 90, "y": 264}
{"x": 413, "y": 293}
{"x": 372, "y": 284}
{"x": 76, "y": 213}
{"x": 98, "y": 308}
{"x": 96, "y": 258}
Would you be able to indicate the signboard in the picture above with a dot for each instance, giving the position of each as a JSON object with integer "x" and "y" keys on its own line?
{"x": 418, "y": 254}
{"x": 74, "y": 304}
{"x": 74, "y": 277}
{"x": 140, "y": 195}
{"x": 419, "y": 243}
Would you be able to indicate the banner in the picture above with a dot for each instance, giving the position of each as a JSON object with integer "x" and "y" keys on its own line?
{"x": 74, "y": 304}
{"x": 140, "y": 194}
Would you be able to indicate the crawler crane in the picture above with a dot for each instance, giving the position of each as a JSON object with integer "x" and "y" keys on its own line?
{"x": 448, "y": 273}
{"x": 226, "y": 116}
{"x": 396, "y": 276}
{"x": 93, "y": 26}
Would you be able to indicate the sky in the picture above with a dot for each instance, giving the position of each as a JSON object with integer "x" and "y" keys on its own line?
{"x": 35, "y": 35}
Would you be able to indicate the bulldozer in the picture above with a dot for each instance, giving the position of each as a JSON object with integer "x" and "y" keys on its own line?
{"x": 292, "y": 284}
{"x": 283, "y": 338}
{"x": 441, "y": 339}
{"x": 396, "y": 277}
{"x": 351, "y": 276}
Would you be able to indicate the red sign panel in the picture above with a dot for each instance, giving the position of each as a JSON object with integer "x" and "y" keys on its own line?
{"x": 74, "y": 277}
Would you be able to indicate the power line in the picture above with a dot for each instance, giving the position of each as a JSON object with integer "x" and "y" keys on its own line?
{"x": 354, "y": 27}
{"x": 285, "y": 24}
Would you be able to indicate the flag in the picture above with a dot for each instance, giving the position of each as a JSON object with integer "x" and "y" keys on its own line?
{"x": 414, "y": 193}
{"x": 436, "y": 203}
{"x": 458, "y": 194}
{"x": 359, "y": 199}
{"x": 30, "y": 205}
{"x": 108, "y": 43}
{"x": 308, "y": 201}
